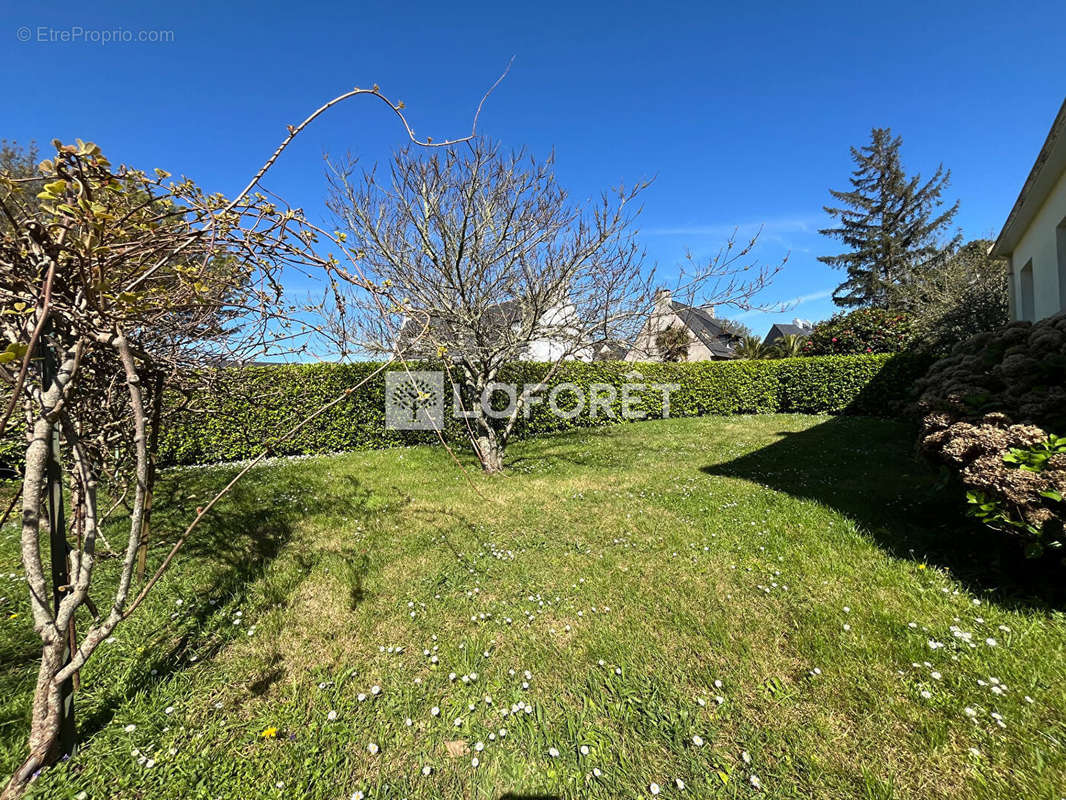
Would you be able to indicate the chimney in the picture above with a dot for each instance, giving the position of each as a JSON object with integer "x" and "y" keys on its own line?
{"x": 662, "y": 299}
{"x": 709, "y": 308}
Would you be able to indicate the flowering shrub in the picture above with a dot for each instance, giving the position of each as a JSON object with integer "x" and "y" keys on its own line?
{"x": 991, "y": 410}
{"x": 863, "y": 331}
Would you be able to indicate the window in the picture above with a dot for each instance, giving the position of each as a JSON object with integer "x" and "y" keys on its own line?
{"x": 1060, "y": 236}
{"x": 1025, "y": 289}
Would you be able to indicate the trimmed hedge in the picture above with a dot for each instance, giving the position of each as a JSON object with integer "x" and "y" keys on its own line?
{"x": 262, "y": 402}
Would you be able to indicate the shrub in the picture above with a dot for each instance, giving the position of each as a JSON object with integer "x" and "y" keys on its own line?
{"x": 965, "y": 296}
{"x": 990, "y": 414}
{"x": 267, "y": 400}
{"x": 256, "y": 403}
{"x": 865, "y": 330}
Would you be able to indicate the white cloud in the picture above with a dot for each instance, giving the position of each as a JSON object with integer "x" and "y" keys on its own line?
{"x": 769, "y": 228}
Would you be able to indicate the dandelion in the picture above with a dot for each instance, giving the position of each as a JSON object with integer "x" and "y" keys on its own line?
{"x": 268, "y": 733}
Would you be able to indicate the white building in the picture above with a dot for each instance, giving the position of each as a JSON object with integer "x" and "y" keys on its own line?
{"x": 1033, "y": 240}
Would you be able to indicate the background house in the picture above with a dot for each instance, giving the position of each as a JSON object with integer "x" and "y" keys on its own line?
{"x": 1034, "y": 237}
{"x": 420, "y": 336}
{"x": 708, "y": 339}
{"x": 798, "y": 327}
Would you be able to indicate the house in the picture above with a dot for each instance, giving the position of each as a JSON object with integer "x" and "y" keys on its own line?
{"x": 1033, "y": 239}
{"x": 500, "y": 324}
{"x": 798, "y": 327}
{"x": 708, "y": 340}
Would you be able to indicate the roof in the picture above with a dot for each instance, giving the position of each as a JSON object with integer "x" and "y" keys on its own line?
{"x": 420, "y": 334}
{"x": 1049, "y": 165}
{"x": 782, "y": 329}
{"x": 705, "y": 328}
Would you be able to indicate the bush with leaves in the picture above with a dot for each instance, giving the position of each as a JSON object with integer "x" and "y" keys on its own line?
{"x": 966, "y": 296}
{"x": 993, "y": 413}
{"x": 673, "y": 344}
{"x": 865, "y": 330}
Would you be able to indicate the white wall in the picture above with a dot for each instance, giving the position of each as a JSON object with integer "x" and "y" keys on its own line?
{"x": 1041, "y": 244}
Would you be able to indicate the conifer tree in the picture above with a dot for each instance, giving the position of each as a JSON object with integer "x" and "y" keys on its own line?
{"x": 891, "y": 223}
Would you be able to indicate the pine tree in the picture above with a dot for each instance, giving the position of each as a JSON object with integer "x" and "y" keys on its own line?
{"x": 890, "y": 222}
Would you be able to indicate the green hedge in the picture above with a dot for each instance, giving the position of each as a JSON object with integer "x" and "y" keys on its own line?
{"x": 258, "y": 403}
{"x": 262, "y": 402}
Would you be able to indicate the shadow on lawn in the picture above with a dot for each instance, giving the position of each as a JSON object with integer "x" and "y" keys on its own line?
{"x": 868, "y": 470}
{"x": 238, "y": 541}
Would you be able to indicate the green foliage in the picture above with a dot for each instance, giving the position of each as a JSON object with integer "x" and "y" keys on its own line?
{"x": 672, "y": 344}
{"x": 996, "y": 510}
{"x": 789, "y": 346}
{"x": 1036, "y": 458}
{"x": 891, "y": 223}
{"x": 966, "y": 296}
{"x": 752, "y": 347}
{"x": 991, "y": 411}
{"x": 253, "y": 405}
{"x": 865, "y": 330}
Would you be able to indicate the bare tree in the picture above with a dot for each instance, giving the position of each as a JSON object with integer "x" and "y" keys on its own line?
{"x": 487, "y": 260}
{"x": 115, "y": 286}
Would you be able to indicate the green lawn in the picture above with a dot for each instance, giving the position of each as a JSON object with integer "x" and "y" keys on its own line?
{"x": 775, "y": 601}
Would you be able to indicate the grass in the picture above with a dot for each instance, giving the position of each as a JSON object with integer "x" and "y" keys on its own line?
{"x": 789, "y": 589}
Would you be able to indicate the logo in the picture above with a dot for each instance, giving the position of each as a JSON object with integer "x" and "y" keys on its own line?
{"x": 414, "y": 401}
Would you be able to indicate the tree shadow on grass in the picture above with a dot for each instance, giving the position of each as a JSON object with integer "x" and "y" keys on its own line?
{"x": 238, "y": 541}
{"x": 867, "y": 469}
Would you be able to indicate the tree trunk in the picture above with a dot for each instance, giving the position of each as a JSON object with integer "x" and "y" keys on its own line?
{"x": 488, "y": 445}
{"x": 489, "y": 453}
{"x": 46, "y": 725}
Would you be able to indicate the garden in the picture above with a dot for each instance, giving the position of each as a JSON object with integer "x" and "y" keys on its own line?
{"x": 828, "y": 567}
{"x": 727, "y": 606}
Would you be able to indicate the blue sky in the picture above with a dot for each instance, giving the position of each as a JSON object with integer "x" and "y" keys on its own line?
{"x": 743, "y": 113}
